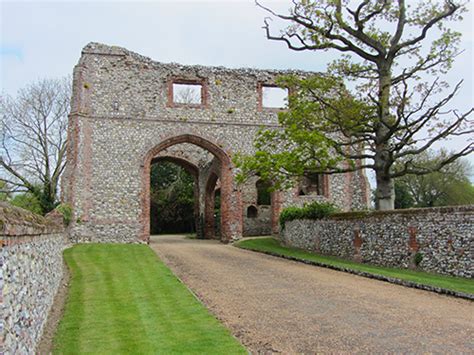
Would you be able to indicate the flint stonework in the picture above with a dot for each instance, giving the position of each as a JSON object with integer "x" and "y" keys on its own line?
{"x": 123, "y": 117}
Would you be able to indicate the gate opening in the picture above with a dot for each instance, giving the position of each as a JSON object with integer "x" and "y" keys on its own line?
{"x": 172, "y": 199}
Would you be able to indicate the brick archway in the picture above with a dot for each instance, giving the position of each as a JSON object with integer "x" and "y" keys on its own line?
{"x": 209, "y": 202}
{"x": 185, "y": 164}
{"x": 231, "y": 203}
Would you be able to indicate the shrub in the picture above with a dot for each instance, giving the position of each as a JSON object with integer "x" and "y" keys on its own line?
{"x": 313, "y": 210}
{"x": 66, "y": 212}
{"x": 418, "y": 258}
{"x": 27, "y": 201}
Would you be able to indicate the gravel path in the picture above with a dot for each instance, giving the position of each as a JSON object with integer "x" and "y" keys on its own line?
{"x": 276, "y": 305}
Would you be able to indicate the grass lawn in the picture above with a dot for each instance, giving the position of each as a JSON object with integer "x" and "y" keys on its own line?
{"x": 123, "y": 299}
{"x": 271, "y": 245}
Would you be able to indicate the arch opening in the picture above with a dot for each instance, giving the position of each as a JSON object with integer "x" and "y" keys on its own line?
{"x": 263, "y": 193}
{"x": 217, "y": 199}
{"x": 173, "y": 196}
{"x": 252, "y": 212}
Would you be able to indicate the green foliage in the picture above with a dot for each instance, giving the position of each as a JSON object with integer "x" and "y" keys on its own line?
{"x": 27, "y": 201}
{"x": 66, "y": 211}
{"x": 448, "y": 187}
{"x": 122, "y": 299}
{"x": 272, "y": 246}
{"x": 418, "y": 258}
{"x": 313, "y": 210}
{"x": 172, "y": 199}
{"x": 306, "y": 142}
{"x": 403, "y": 198}
{"x": 393, "y": 53}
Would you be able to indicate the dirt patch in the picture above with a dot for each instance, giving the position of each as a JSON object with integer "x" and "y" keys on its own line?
{"x": 45, "y": 345}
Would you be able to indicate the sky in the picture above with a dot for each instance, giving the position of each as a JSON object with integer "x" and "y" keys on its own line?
{"x": 44, "y": 39}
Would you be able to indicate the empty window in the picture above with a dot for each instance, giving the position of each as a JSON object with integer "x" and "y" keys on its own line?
{"x": 274, "y": 97}
{"x": 187, "y": 93}
{"x": 252, "y": 212}
{"x": 263, "y": 193}
{"x": 311, "y": 184}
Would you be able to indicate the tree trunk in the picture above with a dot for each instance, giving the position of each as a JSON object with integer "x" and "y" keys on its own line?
{"x": 385, "y": 192}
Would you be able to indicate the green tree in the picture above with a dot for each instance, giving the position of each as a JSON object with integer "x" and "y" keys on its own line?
{"x": 172, "y": 199}
{"x": 403, "y": 198}
{"x": 449, "y": 186}
{"x": 395, "y": 112}
{"x": 33, "y": 139}
{"x": 27, "y": 201}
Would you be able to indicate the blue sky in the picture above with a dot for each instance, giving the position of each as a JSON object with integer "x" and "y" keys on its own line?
{"x": 44, "y": 39}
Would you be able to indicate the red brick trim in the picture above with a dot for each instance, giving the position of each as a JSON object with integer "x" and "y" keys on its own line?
{"x": 275, "y": 211}
{"x": 185, "y": 164}
{"x": 326, "y": 187}
{"x": 231, "y": 201}
{"x": 357, "y": 245}
{"x": 87, "y": 169}
{"x": 412, "y": 242}
{"x": 204, "y": 92}
{"x": 209, "y": 200}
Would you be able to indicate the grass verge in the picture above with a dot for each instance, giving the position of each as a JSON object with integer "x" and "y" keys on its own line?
{"x": 123, "y": 299}
{"x": 272, "y": 246}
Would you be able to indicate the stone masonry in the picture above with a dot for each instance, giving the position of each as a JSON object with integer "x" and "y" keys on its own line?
{"x": 31, "y": 270}
{"x": 442, "y": 237}
{"x": 124, "y": 117}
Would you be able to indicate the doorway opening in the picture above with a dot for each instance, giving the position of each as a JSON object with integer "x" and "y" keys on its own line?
{"x": 172, "y": 199}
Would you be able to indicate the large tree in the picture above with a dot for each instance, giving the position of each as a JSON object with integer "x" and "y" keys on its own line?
{"x": 395, "y": 54}
{"x": 33, "y": 139}
{"x": 449, "y": 186}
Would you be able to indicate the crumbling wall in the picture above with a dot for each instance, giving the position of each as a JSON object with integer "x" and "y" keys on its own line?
{"x": 123, "y": 108}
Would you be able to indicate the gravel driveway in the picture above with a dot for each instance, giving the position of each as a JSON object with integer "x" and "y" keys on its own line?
{"x": 276, "y": 305}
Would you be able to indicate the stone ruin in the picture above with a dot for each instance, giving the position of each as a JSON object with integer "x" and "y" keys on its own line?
{"x": 126, "y": 115}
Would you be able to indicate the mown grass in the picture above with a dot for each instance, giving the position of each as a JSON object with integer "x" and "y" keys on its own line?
{"x": 271, "y": 245}
{"x": 123, "y": 299}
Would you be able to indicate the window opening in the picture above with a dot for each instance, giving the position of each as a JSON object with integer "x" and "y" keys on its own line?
{"x": 187, "y": 93}
{"x": 252, "y": 212}
{"x": 263, "y": 193}
{"x": 274, "y": 97}
{"x": 311, "y": 184}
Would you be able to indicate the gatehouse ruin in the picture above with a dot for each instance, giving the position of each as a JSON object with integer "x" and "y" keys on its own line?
{"x": 126, "y": 115}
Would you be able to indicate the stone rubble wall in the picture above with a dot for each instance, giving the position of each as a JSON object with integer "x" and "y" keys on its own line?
{"x": 443, "y": 236}
{"x": 122, "y": 110}
{"x": 31, "y": 271}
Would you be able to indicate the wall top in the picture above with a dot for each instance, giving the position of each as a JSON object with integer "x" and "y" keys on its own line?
{"x": 15, "y": 222}
{"x": 100, "y": 49}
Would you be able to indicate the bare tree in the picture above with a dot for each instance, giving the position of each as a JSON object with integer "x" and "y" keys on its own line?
{"x": 33, "y": 139}
{"x": 187, "y": 94}
{"x": 395, "y": 53}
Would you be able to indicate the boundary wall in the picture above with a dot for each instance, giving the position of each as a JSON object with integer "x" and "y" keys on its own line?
{"x": 31, "y": 271}
{"x": 437, "y": 240}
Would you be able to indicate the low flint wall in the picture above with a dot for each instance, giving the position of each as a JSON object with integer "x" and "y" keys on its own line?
{"x": 31, "y": 271}
{"x": 443, "y": 237}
